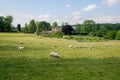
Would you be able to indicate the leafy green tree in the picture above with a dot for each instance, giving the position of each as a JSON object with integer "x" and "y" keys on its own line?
{"x": 25, "y": 29}
{"x": 100, "y": 33}
{"x": 118, "y": 35}
{"x": 39, "y": 28}
{"x": 7, "y": 23}
{"x": 32, "y": 26}
{"x": 116, "y": 27}
{"x": 1, "y": 23}
{"x": 90, "y": 26}
{"x": 104, "y": 30}
{"x": 111, "y": 35}
{"x": 19, "y": 28}
{"x": 54, "y": 24}
{"x": 45, "y": 25}
{"x": 78, "y": 28}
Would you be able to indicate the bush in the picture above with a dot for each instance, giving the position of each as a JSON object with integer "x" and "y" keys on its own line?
{"x": 58, "y": 34}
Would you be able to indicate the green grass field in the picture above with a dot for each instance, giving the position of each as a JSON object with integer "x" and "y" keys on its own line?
{"x": 34, "y": 63}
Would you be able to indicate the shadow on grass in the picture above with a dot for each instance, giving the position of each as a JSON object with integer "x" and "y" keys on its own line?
{"x": 15, "y": 48}
{"x": 22, "y": 68}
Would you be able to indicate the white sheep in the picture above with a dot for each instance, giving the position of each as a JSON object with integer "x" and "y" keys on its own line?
{"x": 92, "y": 46}
{"x": 70, "y": 46}
{"x": 106, "y": 45}
{"x": 20, "y": 42}
{"x": 20, "y": 48}
{"x": 54, "y": 55}
{"x": 85, "y": 46}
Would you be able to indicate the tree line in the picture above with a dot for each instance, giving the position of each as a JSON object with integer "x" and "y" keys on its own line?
{"x": 105, "y": 30}
{"x": 88, "y": 27}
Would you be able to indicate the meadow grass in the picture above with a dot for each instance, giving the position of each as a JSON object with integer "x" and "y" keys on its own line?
{"x": 34, "y": 63}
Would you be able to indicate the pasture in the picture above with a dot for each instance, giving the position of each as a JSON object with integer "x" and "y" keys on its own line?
{"x": 34, "y": 62}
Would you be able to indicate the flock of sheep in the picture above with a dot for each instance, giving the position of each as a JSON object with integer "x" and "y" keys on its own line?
{"x": 56, "y": 55}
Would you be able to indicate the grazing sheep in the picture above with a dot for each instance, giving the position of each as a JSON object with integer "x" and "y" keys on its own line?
{"x": 20, "y": 42}
{"x": 20, "y": 48}
{"x": 55, "y": 45}
{"x": 106, "y": 45}
{"x": 54, "y": 55}
{"x": 70, "y": 46}
{"x": 85, "y": 46}
{"x": 92, "y": 46}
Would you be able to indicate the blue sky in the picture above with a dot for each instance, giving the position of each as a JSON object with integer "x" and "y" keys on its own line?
{"x": 71, "y": 11}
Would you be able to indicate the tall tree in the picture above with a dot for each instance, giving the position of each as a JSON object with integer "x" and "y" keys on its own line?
{"x": 1, "y": 23}
{"x": 111, "y": 35}
{"x": 8, "y": 22}
{"x": 78, "y": 28}
{"x": 90, "y": 26}
{"x": 67, "y": 30}
{"x": 45, "y": 25}
{"x": 39, "y": 27}
{"x": 25, "y": 29}
{"x": 19, "y": 28}
{"x": 54, "y": 24}
{"x": 32, "y": 26}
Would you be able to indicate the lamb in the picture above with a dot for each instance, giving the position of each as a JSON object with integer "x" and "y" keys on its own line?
{"x": 54, "y": 55}
{"x": 20, "y": 48}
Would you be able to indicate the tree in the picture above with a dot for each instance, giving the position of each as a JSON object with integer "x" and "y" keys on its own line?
{"x": 116, "y": 27}
{"x": 78, "y": 28}
{"x": 118, "y": 35}
{"x": 100, "y": 33}
{"x": 45, "y": 25}
{"x": 54, "y": 24}
{"x": 19, "y": 28}
{"x": 7, "y": 23}
{"x": 39, "y": 28}
{"x": 111, "y": 35}
{"x": 25, "y": 29}
{"x": 67, "y": 30}
{"x": 1, "y": 23}
{"x": 32, "y": 26}
{"x": 90, "y": 26}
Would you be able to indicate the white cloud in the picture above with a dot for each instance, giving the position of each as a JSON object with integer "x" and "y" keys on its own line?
{"x": 76, "y": 17}
{"x": 67, "y": 5}
{"x": 45, "y": 17}
{"x": 21, "y": 18}
{"x": 111, "y": 2}
{"x": 90, "y": 7}
{"x": 106, "y": 19}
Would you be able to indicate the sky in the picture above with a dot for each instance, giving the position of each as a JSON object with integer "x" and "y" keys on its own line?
{"x": 71, "y": 11}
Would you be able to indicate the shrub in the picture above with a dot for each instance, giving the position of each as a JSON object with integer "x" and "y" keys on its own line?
{"x": 58, "y": 34}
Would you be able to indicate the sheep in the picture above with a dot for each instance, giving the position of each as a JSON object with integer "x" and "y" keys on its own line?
{"x": 85, "y": 46}
{"x": 20, "y": 48}
{"x": 55, "y": 45}
{"x": 54, "y": 55}
{"x": 92, "y": 46}
{"x": 70, "y": 46}
{"x": 106, "y": 45}
{"x": 20, "y": 42}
